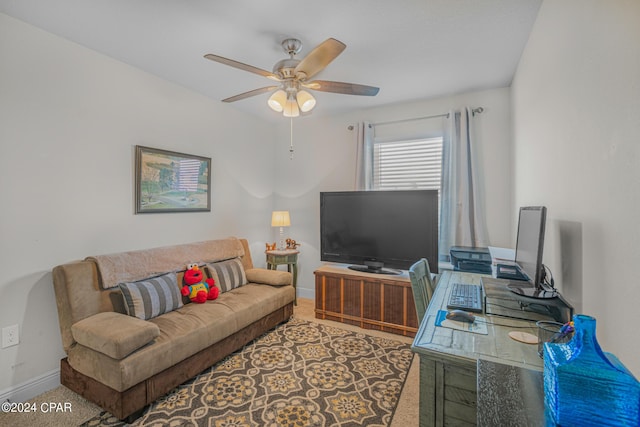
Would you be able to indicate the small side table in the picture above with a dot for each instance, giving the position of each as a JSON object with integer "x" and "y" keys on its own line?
{"x": 288, "y": 257}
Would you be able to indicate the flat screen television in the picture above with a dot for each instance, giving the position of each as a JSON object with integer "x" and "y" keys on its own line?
{"x": 379, "y": 231}
{"x": 529, "y": 247}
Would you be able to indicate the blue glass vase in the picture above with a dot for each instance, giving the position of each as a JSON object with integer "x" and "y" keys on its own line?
{"x": 584, "y": 386}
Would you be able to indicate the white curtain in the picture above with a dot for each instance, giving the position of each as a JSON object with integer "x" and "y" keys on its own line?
{"x": 364, "y": 156}
{"x": 462, "y": 221}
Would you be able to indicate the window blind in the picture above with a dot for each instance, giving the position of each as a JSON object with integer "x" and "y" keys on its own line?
{"x": 407, "y": 165}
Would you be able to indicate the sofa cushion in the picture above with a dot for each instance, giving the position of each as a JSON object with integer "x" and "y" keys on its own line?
{"x": 183, "y": 332}
{"x": 228, "y": 274}
{"x": 268, "y": 277}
{"x": 152, "y": 297}
{"x": 114, "y": 334}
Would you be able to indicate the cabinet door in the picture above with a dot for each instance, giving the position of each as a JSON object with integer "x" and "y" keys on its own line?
{"x": 448, "y": 393}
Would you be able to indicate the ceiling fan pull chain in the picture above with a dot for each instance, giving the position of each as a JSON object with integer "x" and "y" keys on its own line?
{"x": 291, "y": 140}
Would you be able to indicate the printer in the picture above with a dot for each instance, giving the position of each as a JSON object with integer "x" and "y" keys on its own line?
{"x": 470, "y": 259}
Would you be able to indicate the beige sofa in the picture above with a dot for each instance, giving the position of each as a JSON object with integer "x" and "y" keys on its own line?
{"x": 123, "y": 363}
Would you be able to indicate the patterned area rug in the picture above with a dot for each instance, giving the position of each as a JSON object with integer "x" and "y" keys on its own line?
{"x": 299, "y": 374}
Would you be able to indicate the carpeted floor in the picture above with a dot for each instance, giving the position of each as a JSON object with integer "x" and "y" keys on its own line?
{"x": 265, "y": 411}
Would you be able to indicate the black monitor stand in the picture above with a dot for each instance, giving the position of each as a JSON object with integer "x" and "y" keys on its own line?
{"x": 525, "y": 289}
{"x": 501, "y": 300}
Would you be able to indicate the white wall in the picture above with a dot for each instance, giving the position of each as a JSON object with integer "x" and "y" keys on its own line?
{"x": 324, "y": 160}
{"x": 576, "y": 108}
{"x": 69, "y": 121}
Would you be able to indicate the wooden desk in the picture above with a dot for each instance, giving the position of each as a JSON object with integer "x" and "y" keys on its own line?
{"x": 288, "y": 257}
{"x": 509, "y": 396}
{"x": 448, "y": 358}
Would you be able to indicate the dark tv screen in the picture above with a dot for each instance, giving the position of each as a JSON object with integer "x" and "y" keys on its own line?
{"x": 379, "y": 230}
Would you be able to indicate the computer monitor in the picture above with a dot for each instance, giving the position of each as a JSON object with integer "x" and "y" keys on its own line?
{"x": 529, "y": 246}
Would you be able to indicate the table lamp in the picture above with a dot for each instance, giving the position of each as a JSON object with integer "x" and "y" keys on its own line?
{"x": 280, "y": 219}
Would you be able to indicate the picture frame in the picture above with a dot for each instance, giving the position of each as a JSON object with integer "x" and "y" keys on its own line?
{"x": 167, "y": 181}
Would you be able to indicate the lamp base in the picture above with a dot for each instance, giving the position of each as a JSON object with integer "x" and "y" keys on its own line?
{"x": 281, "y": 246}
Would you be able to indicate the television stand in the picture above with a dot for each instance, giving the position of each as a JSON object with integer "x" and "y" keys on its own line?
{"x": 369, "y": 300}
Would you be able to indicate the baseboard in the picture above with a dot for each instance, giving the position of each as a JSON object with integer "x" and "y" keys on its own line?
{"x": 32, "y": 388}
{"x": 306, "y": 293}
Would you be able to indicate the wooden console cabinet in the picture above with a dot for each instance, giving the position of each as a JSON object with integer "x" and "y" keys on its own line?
{"x": 372, "y": 301}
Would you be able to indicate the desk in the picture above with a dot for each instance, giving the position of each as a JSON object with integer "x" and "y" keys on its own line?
{"x": 448, "y": 358}
{"x": 282, "y": 257}
{"x": 509, "y": 396}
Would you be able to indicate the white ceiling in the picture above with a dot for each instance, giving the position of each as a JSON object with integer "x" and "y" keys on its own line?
{"x": 410, "y": 49}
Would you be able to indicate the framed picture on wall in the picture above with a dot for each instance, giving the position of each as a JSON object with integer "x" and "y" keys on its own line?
{"x": 167, "y": 181}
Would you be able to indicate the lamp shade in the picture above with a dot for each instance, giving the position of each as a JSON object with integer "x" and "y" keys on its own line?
{"x": 280, "y": 219}
{"x": 305, "y": 100}
{"x": 277, "y": 100}
{"x": 291, "y": 108}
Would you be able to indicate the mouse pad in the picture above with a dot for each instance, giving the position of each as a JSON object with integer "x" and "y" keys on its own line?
{"x": 477, "y": 327}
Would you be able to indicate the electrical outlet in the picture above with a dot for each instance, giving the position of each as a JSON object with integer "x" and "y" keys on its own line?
{"x": 10, "y": 336}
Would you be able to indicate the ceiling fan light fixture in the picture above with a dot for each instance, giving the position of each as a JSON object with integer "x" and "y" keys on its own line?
{"x": 306, "y": 101}
{"x": 278, "y": 100}
{"x": 293, "y": 74}
{"x": 291, "y": 108}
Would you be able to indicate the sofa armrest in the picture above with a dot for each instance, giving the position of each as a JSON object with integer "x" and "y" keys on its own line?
{"x": 114, "y": 334}
{"x": 268, "y": 277}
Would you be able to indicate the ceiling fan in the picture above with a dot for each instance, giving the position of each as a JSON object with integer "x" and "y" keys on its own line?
{"x": 293, "y": 75}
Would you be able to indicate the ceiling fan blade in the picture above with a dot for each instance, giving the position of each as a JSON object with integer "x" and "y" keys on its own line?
{"x": 320, "y": 57}
{"x": 341, "y": 87}
{"x": 242, "y": 66}
{"x": 250, "y": 93}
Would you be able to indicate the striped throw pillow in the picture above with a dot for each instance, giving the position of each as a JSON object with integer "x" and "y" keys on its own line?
{"x": 151, "y": 297}
{"x": 228, "y": 274}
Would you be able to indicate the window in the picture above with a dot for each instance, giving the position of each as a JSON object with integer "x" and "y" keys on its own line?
{"x": 407, "y": 165}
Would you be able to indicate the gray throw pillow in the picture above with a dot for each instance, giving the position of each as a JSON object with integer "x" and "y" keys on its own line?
{"x": 151, "y": 297}
{"x": 228, "y": 274}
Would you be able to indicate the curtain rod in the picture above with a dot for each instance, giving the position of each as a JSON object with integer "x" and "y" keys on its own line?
{"x": 393, "y": 122}
{"x": 474, "y": 111}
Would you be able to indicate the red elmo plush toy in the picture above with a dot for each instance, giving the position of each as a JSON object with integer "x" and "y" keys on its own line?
{"x": 198, "y": 290}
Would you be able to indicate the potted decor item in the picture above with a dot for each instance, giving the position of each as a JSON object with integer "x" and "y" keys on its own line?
{"x": 584, "y": 386}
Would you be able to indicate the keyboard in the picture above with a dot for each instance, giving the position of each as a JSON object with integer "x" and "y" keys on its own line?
{"x": 465, "y": 296}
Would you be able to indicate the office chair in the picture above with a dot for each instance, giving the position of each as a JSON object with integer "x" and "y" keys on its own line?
{"x": 422, "y": 286}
